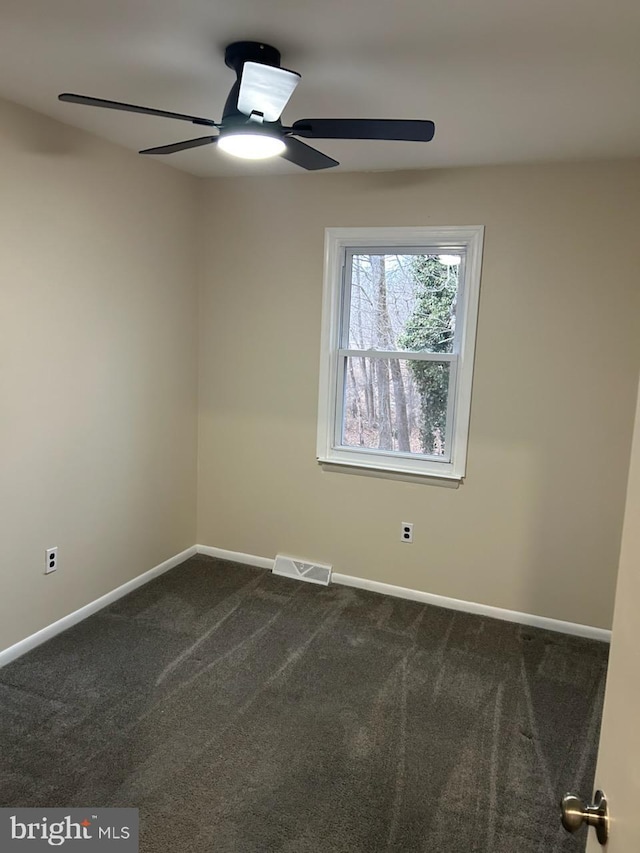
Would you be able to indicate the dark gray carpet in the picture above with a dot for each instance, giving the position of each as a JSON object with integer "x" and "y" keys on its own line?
{"x": 247, "y": 713}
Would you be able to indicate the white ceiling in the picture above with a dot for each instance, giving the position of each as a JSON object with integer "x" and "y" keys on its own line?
{"x": 504, "y": 80}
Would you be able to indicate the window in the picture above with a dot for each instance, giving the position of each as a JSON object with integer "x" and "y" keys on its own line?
{"x": 398, "y": 337}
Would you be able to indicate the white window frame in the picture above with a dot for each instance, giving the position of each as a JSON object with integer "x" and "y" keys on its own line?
{"x": 340, "y": 244}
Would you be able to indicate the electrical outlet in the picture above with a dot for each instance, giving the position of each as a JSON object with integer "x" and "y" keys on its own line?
{"x": 51, "y": 563}
{"x": 407, "y": 531}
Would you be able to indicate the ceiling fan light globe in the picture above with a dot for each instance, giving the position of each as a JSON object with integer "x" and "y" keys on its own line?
{"x": 251, "y": 146}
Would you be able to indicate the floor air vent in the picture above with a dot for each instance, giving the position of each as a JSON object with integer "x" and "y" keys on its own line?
{"x": 301, "y": 570}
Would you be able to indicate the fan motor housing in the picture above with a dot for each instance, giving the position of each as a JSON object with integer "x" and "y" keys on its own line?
{"x": 235, "y": 56}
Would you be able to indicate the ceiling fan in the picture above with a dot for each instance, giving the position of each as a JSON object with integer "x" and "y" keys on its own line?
{"x": 251, "y": 126}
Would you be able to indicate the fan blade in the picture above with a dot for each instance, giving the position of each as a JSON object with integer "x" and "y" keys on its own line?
{"x": 180, "y": 146}
{"x": 365, "y": 128}
{"x": 265, "y": 89}
{"x": 304, "y": 155}
{"x": 69, "y": 98}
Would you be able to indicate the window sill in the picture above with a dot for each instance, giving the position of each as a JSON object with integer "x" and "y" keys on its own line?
{"x": 444, "y": 480}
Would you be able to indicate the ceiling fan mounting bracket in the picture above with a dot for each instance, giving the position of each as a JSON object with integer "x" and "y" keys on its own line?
{"x": 239, "y": 52}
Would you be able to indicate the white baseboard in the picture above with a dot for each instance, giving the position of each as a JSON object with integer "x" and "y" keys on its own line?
{"x": 534, "y": 621}
{"x": 236, "y": 557}
{"x": 530, "y": 619}
{"x": 50, "y": 631}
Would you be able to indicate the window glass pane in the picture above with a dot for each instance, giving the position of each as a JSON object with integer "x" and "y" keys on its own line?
{"x": 403, "y": 302}
{"x": 396, "y": 405}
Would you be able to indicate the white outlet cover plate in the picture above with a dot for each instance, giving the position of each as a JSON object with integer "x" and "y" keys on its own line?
{"x": 51, "y": 552}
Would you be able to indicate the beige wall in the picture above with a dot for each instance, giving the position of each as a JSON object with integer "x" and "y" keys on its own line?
{"x": 98, "y": 316}
{"x": 97, "y": 367}
{"x": 536, "y": 526}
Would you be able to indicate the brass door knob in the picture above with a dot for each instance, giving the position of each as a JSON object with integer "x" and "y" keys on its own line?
{"x": 575, "y": 813}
